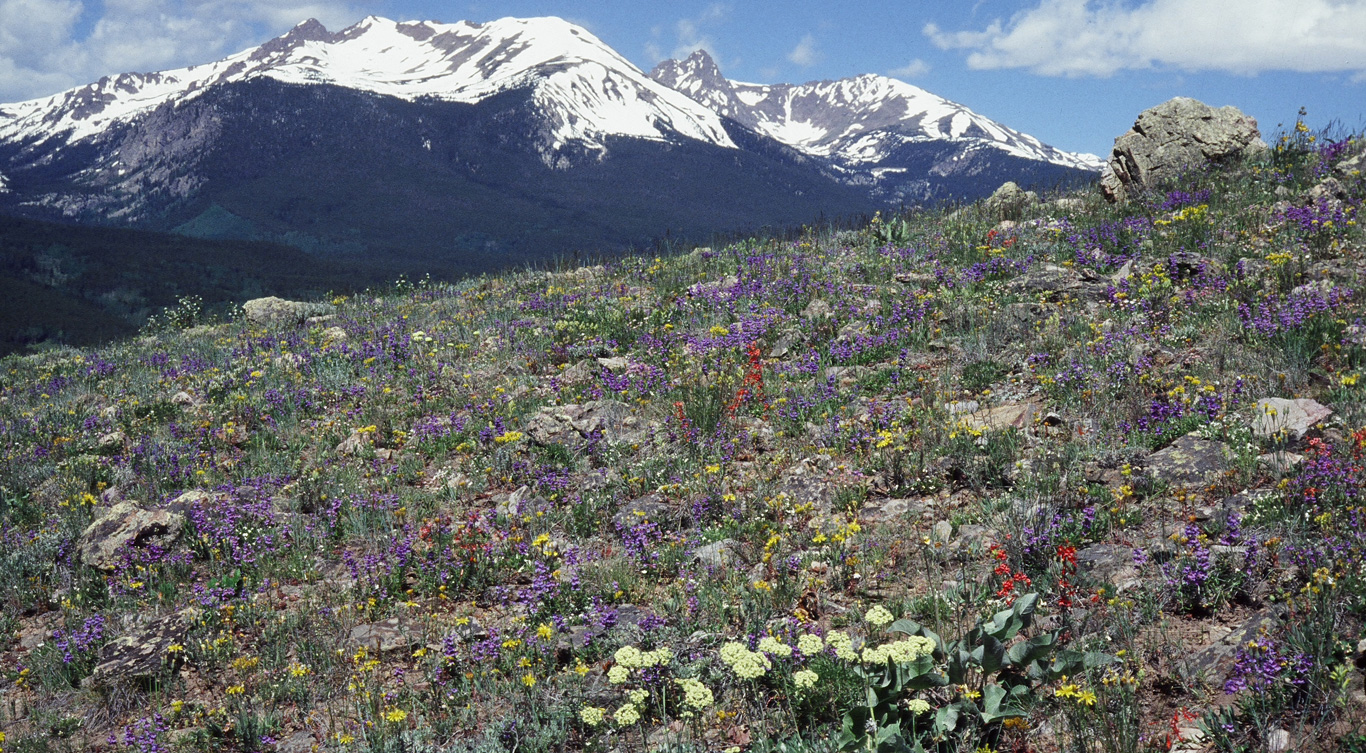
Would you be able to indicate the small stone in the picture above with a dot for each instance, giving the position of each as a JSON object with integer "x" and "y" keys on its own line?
{"x": 1213, "y": 662}
{"x": 1010, "y": 201}
{"x": 783, "y": 346}
{"x": 383, "y": 636}
{"x": 1069, "y": 204}
{"x": 942, "y": 531}
{"x": 299, "y": 742}
{"x": 1189, "y": 740}
{"x": 1002, "y": 417}
{"x": 1277, "y": 741}
{"x": 1111, "y": 564}
{"x": 892, "y": 509}
{"x": 971, "y": 533}
{"x": 723, "y": 553}
{"x": 1053, "y": 283}
{"x": 358, "y": 440}
{"x": 113, "y": 441}
{"x": 817, "y": 309}
{"x": 183, "y": 399}
{"x": 963, "y": 406}
{"x": 1279, "y": 463}
{"x": 448, "y": 479}
{"x": 804, "y": 484}
{"x": 521, "y": 501}
{"x": 1274, "y": 417}
{"x": 713, "y": 287}
{"x": 923, "y": 279}
{"x": 1024, "y": 315}
{"x": 651, "y": 508}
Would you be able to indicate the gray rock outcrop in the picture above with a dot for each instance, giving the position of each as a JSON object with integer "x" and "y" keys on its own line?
{"x": 572, "y": 425}
{"x": 126, "y": 525}
{"x": 1188, "y": 461}
{"x": 142, "y": 655}
{"x": 1177, "y": 135}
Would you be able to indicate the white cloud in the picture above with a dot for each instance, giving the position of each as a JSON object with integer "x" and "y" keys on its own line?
{"x": 912, "y": 69}
{"x": 805, "y": 53}
{"x": 1081, "y": 38}
{"x": 689, "y": 35}
{"x": 42, "y": 51}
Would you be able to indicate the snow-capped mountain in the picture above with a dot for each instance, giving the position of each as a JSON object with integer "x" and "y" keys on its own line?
{"x": 583, "y": 88}
{"x": 866, "y": 125}
{"x": 417, "y": 145}
{"x": 425, "y": 145}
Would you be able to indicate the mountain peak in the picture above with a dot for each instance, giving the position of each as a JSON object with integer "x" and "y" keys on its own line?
{"x": 310, "y": 29}
{"x": 699, "y": 77}
{"x": 582, "y": 89}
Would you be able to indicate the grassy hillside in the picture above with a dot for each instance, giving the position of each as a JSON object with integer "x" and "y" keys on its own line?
{"x": 946, "y": 483}
{"x": 65, "y": 284}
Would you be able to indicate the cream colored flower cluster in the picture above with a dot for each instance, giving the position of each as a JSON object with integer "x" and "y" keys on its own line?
{"x": 746, "y": 664}
{"x": 633, "y": 658}
{"x": 878, "y": 616}
{"x": 917, "y": 706}
{"x": 695, "y": 695}
{"x": 810, "y": 645}
{"x": 630, "y": 657}
{"x": 842, "y": 644}
{"x": 774, "y": 647}
{"x": 903, "y": 651}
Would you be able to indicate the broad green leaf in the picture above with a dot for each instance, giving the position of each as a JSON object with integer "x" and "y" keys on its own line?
{"x": 1027, "y": 652}
{"x": 995, "y": 705}
{"x": 946, "y": 719}
{"x": 909, "y": 627}
{"x": 993, "y": 655}
{"x": 888, "y": 732}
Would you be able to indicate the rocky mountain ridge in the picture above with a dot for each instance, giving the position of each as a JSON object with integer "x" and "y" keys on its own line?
{"x": 863, "y": 125}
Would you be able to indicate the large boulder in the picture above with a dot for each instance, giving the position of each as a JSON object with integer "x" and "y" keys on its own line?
{"x": 1177, "y": 135}
{"x": 277, "y": 312}
{"x": 1010, "y": 201}
{"x": 123, "y": 526}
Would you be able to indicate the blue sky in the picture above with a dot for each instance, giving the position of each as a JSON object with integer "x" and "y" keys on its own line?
{"x": 1074, "y": 73}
